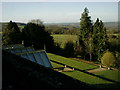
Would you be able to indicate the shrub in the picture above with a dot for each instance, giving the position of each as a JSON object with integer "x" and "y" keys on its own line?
{"x": 69, "y": 49}
{"x": 108, "y": 59}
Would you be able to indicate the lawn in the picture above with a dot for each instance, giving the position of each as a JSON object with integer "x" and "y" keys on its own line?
{"x": 109, "y": 76}
{"x": 92, "y": 80}
{"x": 70, "y": 62}
{"x": 62, "y": 39}
{"x": 89, "y": 79}
{"x": 55, "y": 65}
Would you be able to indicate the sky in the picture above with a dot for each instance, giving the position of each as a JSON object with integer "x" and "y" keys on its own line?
{"x": 59, "y": 0}
{"x": 58, "y": 12}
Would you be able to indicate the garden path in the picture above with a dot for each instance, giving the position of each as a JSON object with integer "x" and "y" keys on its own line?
{"x": 97, "y": 70}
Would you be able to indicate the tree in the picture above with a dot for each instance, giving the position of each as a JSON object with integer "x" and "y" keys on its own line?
{"x": 36, "y": 36}
{"x": 11, "y": 34}
{"x": 85, "y": 24}
{"x": 108, "y": 59}
{"x": 37, "y": 21}
{"x": 93, "y": 38}
{"x": 85, "y": 33}
{"x": 69, "y": 49}
{"x": 89, "y": 46}
{"x": 99, "y": 39}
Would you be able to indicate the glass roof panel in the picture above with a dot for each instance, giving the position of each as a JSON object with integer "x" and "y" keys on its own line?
{"x": 31, "y": 57}
{"x": 45, "y": 59}
{"x": 38, "y": 59}
{"x": 25, "y": 56}
{"x": 30, "y": 49}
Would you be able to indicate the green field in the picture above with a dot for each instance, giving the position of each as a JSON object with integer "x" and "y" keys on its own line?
{"x": 62, "y": 39}
{"x": 109, "y": 79}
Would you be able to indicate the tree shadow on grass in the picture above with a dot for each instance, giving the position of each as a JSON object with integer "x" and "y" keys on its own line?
{"x": 84, "y": 71}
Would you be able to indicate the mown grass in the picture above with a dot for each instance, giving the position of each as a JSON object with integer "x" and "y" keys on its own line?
{"x": 55, "y": 65}
{"x": 85, "y": 77}
{"x": 70, "y": 62}
{"x": 92, "y": 80}
{"x": 110, "y": 74}
{"x": 62, "y": 39}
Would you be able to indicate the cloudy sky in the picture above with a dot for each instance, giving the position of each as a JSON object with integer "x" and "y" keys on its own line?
{"x": 58, "y": 12}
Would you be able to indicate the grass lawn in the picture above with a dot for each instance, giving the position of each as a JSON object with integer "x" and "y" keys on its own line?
{"x": 110, "y": 74}
{"x": 84, "y": 77}
{"x": 55, "y": 65}
{"x": 92, "y": 80}
{"x": 89, "y": 79}
{"x": 70, "y": 62}
{"x": 62, "y": 39}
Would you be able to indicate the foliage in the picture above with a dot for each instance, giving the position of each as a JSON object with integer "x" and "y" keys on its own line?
{"x": 108, "y": 59}
{"x": 11, "y": 34}
{"x": 117, "y": 63}
{"x": 89, "y": 47}
{"x": 62, "y": 29}
{"x": 93, "y": 38}
{"x": 85, "y": 24}
{"x": 37, "y": 21}
{"x": 57, "y": 49}
{"x": 114, "y": 42}
{"x": 100, "y": 39}
{"x": 85, "y": 33}
{"x": 69, "y": 49}
{"x": 35, "y": 34}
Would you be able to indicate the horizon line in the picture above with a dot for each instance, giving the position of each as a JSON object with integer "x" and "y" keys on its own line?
{"x": 49, "y": 22}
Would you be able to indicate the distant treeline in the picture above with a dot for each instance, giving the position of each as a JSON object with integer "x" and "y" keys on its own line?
{"x": 67, "y": 28}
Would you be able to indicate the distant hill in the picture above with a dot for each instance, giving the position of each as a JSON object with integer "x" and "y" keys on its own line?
{"x": 107, "y": 24}
{"x": 63, "y": 24}
{"x": 18, "y": 23}
{"x": 113, "y": 25}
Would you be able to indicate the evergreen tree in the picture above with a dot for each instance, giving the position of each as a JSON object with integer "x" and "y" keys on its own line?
{"x": 93, "y": 38}
{"x": 11, "y": 34}
{"x": 85, "y": 33}
{"x": 99, "y": 39}
{"x": 85, "y": 24}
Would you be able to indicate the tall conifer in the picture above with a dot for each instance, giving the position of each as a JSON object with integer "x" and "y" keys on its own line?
{"x": 85, "y": 33}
